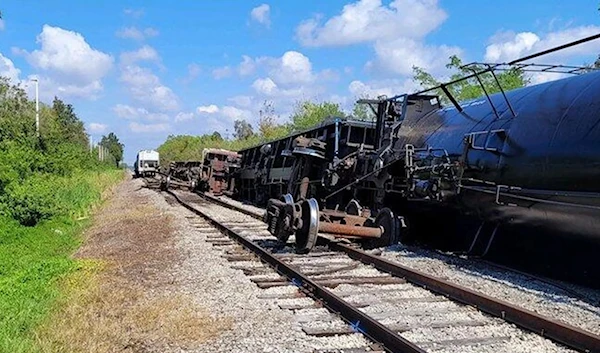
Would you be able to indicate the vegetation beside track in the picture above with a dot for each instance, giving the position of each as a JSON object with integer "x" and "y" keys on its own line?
{"x": 49, "y": 184}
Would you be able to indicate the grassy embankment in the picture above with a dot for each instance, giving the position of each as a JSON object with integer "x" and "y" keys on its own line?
{"x": 33, "y": 260}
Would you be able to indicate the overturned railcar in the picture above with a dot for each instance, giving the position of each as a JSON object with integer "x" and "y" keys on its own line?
{"x": 217, "y": 171}
{"x": 306, "y": 164}
{"x": 513, "y": 176}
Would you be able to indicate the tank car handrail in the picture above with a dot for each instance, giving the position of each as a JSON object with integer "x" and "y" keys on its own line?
{"x": 493, "y": 67}
{"x": 497, "y": 191}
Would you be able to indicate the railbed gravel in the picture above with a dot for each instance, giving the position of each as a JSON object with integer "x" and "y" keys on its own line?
{"x": 515, "y": 288}
{"x": 287, "y": 328}
{"x": 259, "y": 325}
{"x": 582, "y": 310}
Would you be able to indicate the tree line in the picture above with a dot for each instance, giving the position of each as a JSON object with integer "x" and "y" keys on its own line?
{"x": 308, "y": 114}
{"x": 32, "y": 166}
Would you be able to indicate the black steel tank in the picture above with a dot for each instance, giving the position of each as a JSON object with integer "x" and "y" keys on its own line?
{"x": 530, "y": 188}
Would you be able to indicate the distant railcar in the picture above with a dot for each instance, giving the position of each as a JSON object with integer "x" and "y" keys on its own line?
{"x": 217, "y": 171}
{"x": 146, "y": 163}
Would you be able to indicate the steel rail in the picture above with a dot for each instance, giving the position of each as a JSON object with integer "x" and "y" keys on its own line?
{"x": 228, "y": 205}
{"x": 566, "y": 334}
{"x": 362, "y": 322}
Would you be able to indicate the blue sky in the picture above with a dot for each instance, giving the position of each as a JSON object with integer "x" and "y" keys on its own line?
{"x": 149, "y": 69}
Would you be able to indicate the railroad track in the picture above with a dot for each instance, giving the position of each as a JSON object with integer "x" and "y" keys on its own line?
{"x": 382, "y": 300}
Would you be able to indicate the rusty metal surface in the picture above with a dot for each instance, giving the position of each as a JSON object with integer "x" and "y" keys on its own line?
{"x": 345, "y": 229}
{"x": 566, "y": 334}
{"x": 366, "y": 325}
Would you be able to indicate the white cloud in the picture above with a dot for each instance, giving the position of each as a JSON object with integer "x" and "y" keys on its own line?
{"x": 373, "y": 89}
{"x": 145, "y": 53}
{"x": 234, "y": 113}
{"x": 292, "y": 67}
{"x": 183, "y": 117}
{"x": 400, "y": 55}
{"x": 149, "y": 128}
{"x": 136, "y": 34}
{"x": 135, "y": 13}
{"x": 508, "y": 46}
{"x": 370, "y": 20}
{"x": 71, "y": 64}
{"x": 241, "y": 101}
{"x": 247, "y": 66}
{"x": 264, "y": 86}
{"x": 261, "y": 14}
{"x": 222, "y": 72}
{"x": 208, "y": 109}
{"x": 97, "y": 128}
{"x": 8, "y": 69}
{"x": 128, "y": 112}
{"x": 145, "y": 87}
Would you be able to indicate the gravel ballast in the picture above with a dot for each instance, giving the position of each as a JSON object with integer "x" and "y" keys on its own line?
{"x": 570, "y": 304}
{"x": 259, "y": 325}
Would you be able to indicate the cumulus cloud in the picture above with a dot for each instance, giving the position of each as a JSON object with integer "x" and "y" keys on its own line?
{"x": 183, "y": 117}
{"x": 373, "y": 89}
{"x": 136, "y": 33}
{"x": 207, "y": 109}
{"x": 149, "y": 128}
{"x": 145, "y": 53}
{"x": 8, "y": 69}
{"x": 128, "y": 112}
{"x": 97, "y": 128}
{"x": 400, "y": 55}
{"x": 507, "y": 46}
{"x": 262, "y": 15}
{"x": 135, "y": 13}
{"x": 397, "y": 37}
{"x": 222, "y": 72}
{"x": 370, "y": 20}
{"x": 292, "y": 67}
{"x": 69, "y": 62}
{"x": 247, "y": 66}
{"x": 234, "y": 113}
{"x": 241, "y": 101}
{"x": 146, "y": 88}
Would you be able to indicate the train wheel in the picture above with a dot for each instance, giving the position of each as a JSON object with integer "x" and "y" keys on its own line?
{"x": 306, "y": 236}
{"x": 288, "y": 198}
{"x": 392, "y": 228}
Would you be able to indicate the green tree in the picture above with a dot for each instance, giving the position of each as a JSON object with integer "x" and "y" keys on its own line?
{"x": 217, "y": 136}
{"x": 470, "y": 88}
{"x": 72, "y": 128}
{"x": 243, "y": 129}
{"x": 268, "y": 127}
{"x": 308, "y": 114}
{"x": 115, "y": 148}
{"x": 362, "y": 111}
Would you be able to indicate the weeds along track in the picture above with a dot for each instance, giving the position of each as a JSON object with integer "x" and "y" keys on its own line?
{"x": 338, "y": 290}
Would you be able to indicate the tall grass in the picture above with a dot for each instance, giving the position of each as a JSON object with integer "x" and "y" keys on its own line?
{"x": 33, "y": 259}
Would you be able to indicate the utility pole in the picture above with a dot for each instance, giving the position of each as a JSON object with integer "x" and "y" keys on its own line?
{"x": 37, "y": 107}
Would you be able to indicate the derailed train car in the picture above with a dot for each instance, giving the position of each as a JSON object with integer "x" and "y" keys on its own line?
{"x": 300, "y": 164}
{"x": 217, "y": 171}
{"x": 513, "y": 176}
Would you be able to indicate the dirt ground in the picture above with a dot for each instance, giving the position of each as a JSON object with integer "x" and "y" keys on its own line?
{"x": 122, "y": 297}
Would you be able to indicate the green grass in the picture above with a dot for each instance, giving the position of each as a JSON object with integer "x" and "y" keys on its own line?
{"x": 34, "y": 259}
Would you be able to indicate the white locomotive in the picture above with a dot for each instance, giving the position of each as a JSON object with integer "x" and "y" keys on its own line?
{"x": 146, "y": 163}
